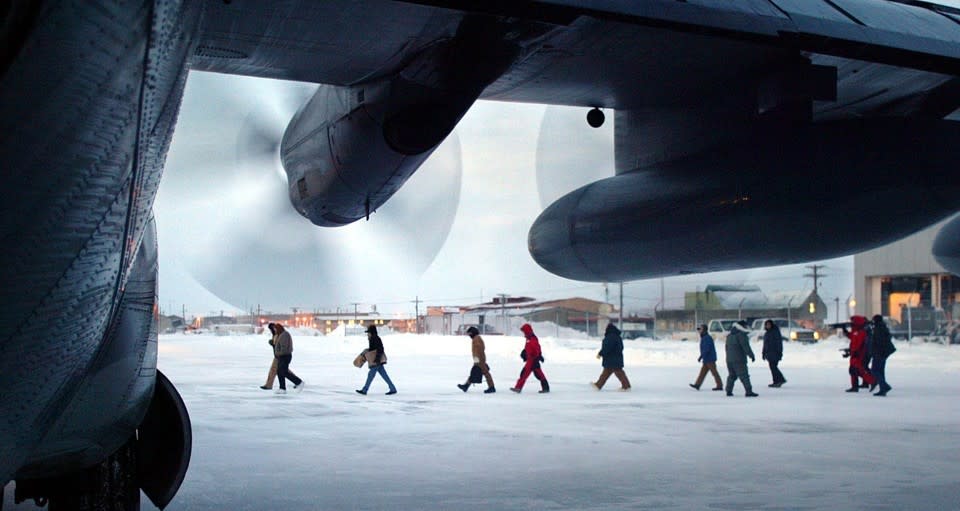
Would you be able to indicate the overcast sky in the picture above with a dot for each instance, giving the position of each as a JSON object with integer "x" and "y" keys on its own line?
{"x": 455, "y": 234}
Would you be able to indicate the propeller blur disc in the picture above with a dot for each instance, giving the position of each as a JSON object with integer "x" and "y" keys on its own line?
{"x": 236, "y": 232}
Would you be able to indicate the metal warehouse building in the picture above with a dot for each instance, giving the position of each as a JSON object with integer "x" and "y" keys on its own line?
{"x": 896, "y": 278}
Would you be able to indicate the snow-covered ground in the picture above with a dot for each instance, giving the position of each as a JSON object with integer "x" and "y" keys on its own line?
{"x": 805, "y": 446}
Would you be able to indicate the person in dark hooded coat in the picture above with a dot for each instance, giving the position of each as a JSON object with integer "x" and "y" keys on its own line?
{"x": 882, "y": 348}
{"x": 773, "y": 351}
{"x": 738, "y": 349}
{"x": 376, "y": 358}
{"x": 611, "y": 351}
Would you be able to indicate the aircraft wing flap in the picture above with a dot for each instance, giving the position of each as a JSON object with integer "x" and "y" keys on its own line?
{"x": 611, "y": 53}
{"x": 925, "y": 28}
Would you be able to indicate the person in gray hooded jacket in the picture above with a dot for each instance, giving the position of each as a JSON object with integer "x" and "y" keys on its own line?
{"x": 738, "y": 349}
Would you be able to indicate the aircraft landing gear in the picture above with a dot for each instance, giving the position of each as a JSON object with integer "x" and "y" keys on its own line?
{"x": 109, "y": 486}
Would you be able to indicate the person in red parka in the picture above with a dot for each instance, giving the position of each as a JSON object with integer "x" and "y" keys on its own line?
{"x": 858, "y": 352}
{"x": 532, "y": 356}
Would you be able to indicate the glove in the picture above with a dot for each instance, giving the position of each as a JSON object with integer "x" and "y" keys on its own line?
{"x": 699, "y": 359}
{"x": 598, "y": 356}
{"x": 846, "y": 355}
{"x": 753, "y": 358}
{"x": 764, "y": 357}
{"x": 523, "y": 355}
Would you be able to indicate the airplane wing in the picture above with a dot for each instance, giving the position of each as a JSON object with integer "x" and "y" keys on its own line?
{"x": 612, "y": 53}
{"x": 723, "y": 108}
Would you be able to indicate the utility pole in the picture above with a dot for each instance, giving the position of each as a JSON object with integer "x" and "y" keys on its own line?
{"x": 620, "y": 319}
{"x": 416, "y": 317}
{"x": 354, "y": 311}
{"x": 503, "y": 312}
{"x": 836, "y": 300}
{"x": 662, "y": 303}
{"x": 815, "y": 275}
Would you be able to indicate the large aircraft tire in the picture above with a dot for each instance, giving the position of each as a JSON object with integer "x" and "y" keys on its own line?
{"x": 110, "y": 486}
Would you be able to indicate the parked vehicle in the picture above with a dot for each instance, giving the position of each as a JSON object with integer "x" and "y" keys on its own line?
{"x": 646, "y": 335}
{"x": 923, "y": 321}
{"x": 719, "y": 328}
{"x": 789, "y": 329}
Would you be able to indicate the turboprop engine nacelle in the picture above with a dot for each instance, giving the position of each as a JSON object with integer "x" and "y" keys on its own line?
{"x": 946, "y": 246}
{"x": 349, "y": 149}
{"x": 791, "y": 195}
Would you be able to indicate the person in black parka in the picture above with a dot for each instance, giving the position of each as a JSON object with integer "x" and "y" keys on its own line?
{"x": 611, "y": 351}
{"x": 773, "y": 351}
{"x": 882, "y": 348}
{"x": 376, "y": 359}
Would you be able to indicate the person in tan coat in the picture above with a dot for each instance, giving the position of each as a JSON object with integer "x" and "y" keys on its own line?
{"x": 272, "y": 373}
{"x": 283, "y": 352}
{"x": 479, "y": 363}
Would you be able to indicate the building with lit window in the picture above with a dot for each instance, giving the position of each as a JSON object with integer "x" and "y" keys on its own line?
{"x": 903, "y": 278}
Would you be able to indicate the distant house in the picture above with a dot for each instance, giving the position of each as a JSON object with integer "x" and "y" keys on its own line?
{"x": 582, "y": 314}
{"x": 742, "y": 302}
{"x": 171, "y": 324}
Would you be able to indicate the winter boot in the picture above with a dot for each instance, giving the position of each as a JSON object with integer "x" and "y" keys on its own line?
{"x": 463, "y": 386}
{"x": 544, "y": 386}
{"x": 696, "y": 387}
{"x": 490, "y": 390}
{"x": 514, "y": 389}
{"x": 751, "y": 394}
{"x": 854, "y": 384}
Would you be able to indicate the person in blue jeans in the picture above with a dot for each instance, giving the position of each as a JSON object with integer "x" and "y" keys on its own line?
{"x": 376, "y": 359}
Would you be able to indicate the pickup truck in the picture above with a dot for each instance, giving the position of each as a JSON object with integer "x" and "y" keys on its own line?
{"x": 789, "y": 329}
{"x": 719, "y": 328}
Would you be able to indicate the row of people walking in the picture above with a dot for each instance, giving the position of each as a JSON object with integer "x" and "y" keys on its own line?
{"x": 374, "y": 356}
{"x": 737, "y": 351}
{"x": 282, "y": 344}
{"x": 868, "y": 343}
